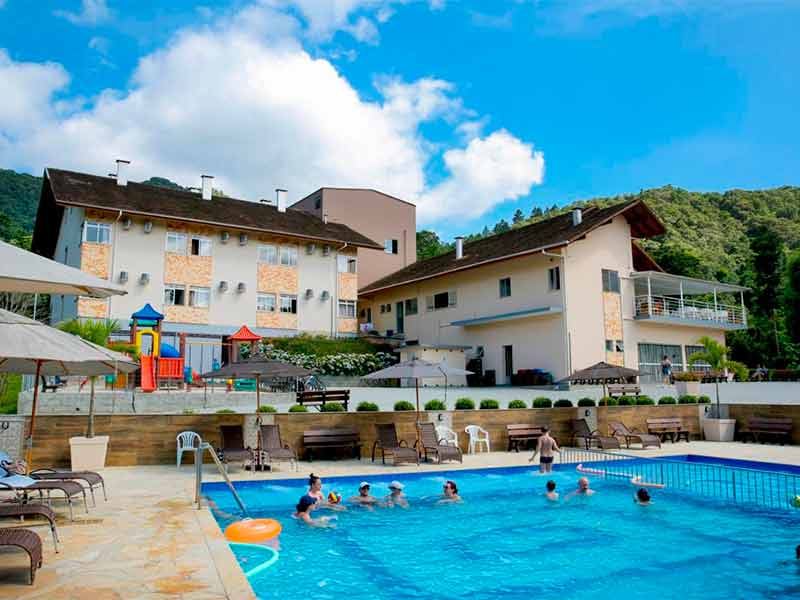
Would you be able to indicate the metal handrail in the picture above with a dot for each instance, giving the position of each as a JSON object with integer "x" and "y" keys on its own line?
{"x": 741, "y": 485}
{"x": 220, "y": 467}
{"x": 652, "y": 305}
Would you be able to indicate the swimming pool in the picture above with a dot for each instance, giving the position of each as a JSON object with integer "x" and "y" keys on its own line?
{"x": 506, "y": 540}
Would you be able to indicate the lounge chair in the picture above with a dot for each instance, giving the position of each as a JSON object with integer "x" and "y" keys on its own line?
{"x": 581, "y": 431}
{"x": 232, "y": 448}
{"x": 275, "y": 450}
{"x": 28, "y": 541}
{"x": 388, "y": 443}
{"x": 23, "y": 486}
{"x": 16, "y": 509}
{"x": 433, "y": 445}
{"x": 645, "y": 439}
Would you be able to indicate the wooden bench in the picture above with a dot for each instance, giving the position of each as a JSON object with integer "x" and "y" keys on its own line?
{"x": 624, "y": 389}
{"x": 338, "y": 437}
{"x": 758, "y": 428}
{"x": 671, "y": 427}
{"x": 318, "y": 398}
{"x": 522, "y": 433}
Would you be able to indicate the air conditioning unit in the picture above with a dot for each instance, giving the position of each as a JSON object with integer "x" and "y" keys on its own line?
{"x": 144, "y": 278}
{"x": 242, "y": 239}
{"x": 242, "y": 287}
{"x": 324, "y": 295}
{"x": 224, "y": 237}
{"x": 326, "y": 250}
{"x": 123, "y": 277}
{"x": 126, "y": 223}
{"x": 311, "y": 248}
{"x": 309, "y": 293}
{"x": 148, "y": 226}
{"x": 223, "y": 286}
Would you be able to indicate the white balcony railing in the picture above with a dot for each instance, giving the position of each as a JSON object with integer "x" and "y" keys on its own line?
{"x": 668, "y": 307}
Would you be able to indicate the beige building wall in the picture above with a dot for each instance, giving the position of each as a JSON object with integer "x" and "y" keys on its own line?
{"x": 318, "y": 274}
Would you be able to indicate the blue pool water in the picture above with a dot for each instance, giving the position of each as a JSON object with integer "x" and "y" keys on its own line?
{"x": 735, "y": 462}
{"x": 507, "y": 541}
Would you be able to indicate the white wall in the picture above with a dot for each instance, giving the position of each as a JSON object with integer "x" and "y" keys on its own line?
{"x": 68, "y": 251}
{"x": 233, "y": 263}
{"x": 318, "y": 273}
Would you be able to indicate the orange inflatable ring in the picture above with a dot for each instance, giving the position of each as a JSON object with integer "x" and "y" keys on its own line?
{"x": 253, "y": 531}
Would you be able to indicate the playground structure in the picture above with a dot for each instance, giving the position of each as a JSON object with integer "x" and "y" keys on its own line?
{"x": 162, "y": 365}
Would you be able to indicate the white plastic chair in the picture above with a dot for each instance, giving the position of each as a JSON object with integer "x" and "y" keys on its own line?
{"x": 447, "y": 436}
{"x": 188, "y": 441}
{"x": 477, "y": 435}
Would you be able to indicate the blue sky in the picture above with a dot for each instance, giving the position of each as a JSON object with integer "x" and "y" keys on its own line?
{"x": 470, "y": 109}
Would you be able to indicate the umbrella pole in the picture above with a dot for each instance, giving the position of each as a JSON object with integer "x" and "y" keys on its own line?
{"x": 90, "y": 426}
{"x": 29, "y": 441}
{"x": 258, "y": 422}
{"x": 419, "y": 444}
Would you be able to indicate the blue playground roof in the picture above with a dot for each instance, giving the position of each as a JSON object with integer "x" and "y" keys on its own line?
{"x": 147, "y": 312}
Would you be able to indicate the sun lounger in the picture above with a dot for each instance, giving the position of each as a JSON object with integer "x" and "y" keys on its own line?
{"x": 23, "y": 486}
{"x": 431, "y": 444}
{"x": 631, "y": 435}
{"x": 26, "y": 540}
{"x": 16, "y": 509}
{"x": 388, "y": 443}
{"x": 274, "y": 449}
{"x": 581, "y": 431}
{"x": 232, "y": 448}
{"x": 90, "y": 478}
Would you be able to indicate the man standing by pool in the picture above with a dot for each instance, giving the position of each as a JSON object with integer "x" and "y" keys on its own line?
{"x": 546, "y": 446}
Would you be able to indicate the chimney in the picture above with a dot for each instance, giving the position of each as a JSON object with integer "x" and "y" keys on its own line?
{"x": 280, "y": 199}
{"x": 205, "y": 186}
{"x": 324, "y": 217}
{"x": 459, "y": 247}
{"x": 122, "y": 171}
{"x": 577, "y": 216}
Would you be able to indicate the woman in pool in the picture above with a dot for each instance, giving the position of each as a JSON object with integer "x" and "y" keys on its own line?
{"x": 315, "y": 491}
{"x": 450, "y": 493}
{"x": 303, "y": 513}
{"x": 642, "y": 497}
{"x": 396, "y": 496}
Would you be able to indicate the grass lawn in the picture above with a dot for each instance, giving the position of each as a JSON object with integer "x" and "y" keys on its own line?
{"x": 10, "y": 386}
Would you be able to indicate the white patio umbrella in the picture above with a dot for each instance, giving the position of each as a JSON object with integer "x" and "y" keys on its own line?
{"x": 28, "y": 346}
{"x": 25, "y": 272}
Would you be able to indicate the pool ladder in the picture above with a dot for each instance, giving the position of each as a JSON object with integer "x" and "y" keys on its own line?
{"x": 198, "y": 463}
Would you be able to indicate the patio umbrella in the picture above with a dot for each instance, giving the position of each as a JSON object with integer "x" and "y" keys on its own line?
{"x": 25, "y": 272}
{"x": 28, "y": 346}
{"x": 417, "y": 369}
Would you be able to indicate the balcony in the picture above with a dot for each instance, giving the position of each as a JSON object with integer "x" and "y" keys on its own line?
{"x": 671, "y": 299}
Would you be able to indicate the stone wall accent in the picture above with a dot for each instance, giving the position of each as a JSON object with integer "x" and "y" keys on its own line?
{"x": 12, "y": 434}
{"x": 612, "y": 325}
{"x": 92, "y": 308}
{"x": 277, "y": 279}
{"x": 186, "y": 314}
{"x": 348, "y": 286}
{"x": 615, "y": 358}
{"x": 190, "y": 270}
{"x": 276, "y": 320}
{"x": 346, "y": 325}
{"x": 742, "y": 412}
{"x": 96, "y": 259}
{"x": 635, "y": 417}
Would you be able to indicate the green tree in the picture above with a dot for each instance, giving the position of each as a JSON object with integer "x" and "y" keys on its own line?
{"x": 715, "y": 355}
{"x": 518, "y": 217}
{"x": 791, "y": 297}
{"x": 428, "y": 245}
{"x": 536, "y": 212}
{"x": 501, "y": 227}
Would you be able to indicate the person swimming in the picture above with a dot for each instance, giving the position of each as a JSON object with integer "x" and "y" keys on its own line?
{"x": 315, "y": 491}
{"x": 551, "y": 493}
{"x": 303, "y": 510}
{"x": 396, "y": 496}
{"x": 364, "y": 498}
{"x": 583, "y": 489}
{"x": 642, "y": 497}
{"x": 450, "y": 493}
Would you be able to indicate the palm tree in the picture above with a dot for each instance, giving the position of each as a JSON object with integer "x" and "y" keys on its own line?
{"x": 715, "y": 355}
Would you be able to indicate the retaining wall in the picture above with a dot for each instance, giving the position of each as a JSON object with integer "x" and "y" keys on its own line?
{"x": 742, "y": 412}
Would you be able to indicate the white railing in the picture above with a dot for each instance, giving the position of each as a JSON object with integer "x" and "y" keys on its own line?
{"x": 653, "y": 306}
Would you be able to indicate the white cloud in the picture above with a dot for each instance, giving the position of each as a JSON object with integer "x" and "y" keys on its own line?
{"x": 92, "y": 12}
{"x": 242, "y": 100}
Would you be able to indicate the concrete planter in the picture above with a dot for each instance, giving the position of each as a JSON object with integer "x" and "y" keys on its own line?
{"x": 719, "y": 430}
{"x": 691, "y": 388}
{"x": 88, "y": 454}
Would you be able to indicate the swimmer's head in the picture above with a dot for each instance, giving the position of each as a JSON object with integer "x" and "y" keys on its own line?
{"x": 797, "y": 552}
{"x": 363, "y": 489}
{"x": 551, "y": 486}
{"x": 642, "y": 495}
{"x": 306, "y": 502}
{"x": 583, "y": 483}
{"x": 451, "y": 485}
{"x": 314, "y": 482}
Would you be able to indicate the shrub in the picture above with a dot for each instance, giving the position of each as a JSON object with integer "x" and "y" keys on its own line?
{"x": 298, "y": 408}
{"x": 489, "y": 404}
{"x": 267, "y": 408}
{"x": 687, "y": 399}
{"x": 666, "y": 400}
{"x": 687, "y": 376}
{"x": 188, "y": 411}
{"x": 542, "y": 402}
{"x": 403, "y": 405}
{"x": 332, "y": 407}
{"x": 465, "y": 404}
{"x": 703, "y": 400}
{"x": 644, "y": 401}
{"x": 626, "y": 401}
{"x": 608, "y": 401}
{"x": 367, "y": 407}
{"x": 517, "y": 404}
{"x": 562, "y": 403}
{"x": 226, "y": 411}
{"x": 435, "y": 404}
{"x": 586, "y": 402}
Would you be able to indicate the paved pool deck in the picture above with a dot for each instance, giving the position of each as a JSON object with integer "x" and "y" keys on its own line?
{"x": 149, "y": 541}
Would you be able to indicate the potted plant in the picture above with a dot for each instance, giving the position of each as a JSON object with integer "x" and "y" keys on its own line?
{"x": 88, "y": 453}
{"x": 715, "y": 355}
{"x": 687, "y": 383}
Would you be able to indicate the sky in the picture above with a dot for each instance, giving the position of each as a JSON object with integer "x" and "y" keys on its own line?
{"x": 471, "y": 110}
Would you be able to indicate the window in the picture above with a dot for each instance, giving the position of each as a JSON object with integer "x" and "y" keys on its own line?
{"x": 174, "y": 295}
{"x": 554, "y": 278}
{"x": 201, "y": 246}
{"x": 289, "y": 256}
{"x": 610, "y": 281}
{"x": 99, "y": 233}
{"x": 289, "y": 304}
{"x": 615, "y": 346}
{"x": 650, "y": 356}
{"x": 199, "y": 297}
{"x": 505, "y": 287}
{"x": 176, "y": 242}
{"x": 609, "y": 345}
{"x": 698, "y": 366}
{"x": 388, "y": 308}
{"x": 440, "y": 300}
{"x": 411, "y": 306}
{"x": 346, "y": 264}
{"x": 268, "y": 254}
{"x": 383, "y": 308}
{"x": 265, "y": 302}
{"x": 347, "y": 309}
{"x": 390, "y": 246}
